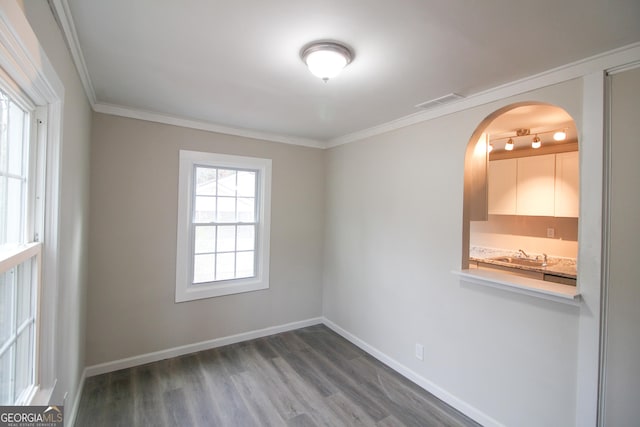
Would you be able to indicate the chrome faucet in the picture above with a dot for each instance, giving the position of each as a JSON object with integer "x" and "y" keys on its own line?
{"x": 523, "y": 253}
{"x": 544, "y": 263}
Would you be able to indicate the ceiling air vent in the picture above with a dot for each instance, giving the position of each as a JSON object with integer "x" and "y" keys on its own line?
{"x": 439, "y": 101}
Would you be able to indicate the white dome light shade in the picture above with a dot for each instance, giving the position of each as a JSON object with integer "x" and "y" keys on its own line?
{"x": 509, "y": 145}
{"x": 536, "y": 143}
{"x": 326, "y": 60}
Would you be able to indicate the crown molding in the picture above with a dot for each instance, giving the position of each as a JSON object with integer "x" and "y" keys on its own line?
{"x": 65, "y": 19}
{"x": 613, "y": 59}
{"x": 133, "y": 113}
{"x": 63, "y": 15}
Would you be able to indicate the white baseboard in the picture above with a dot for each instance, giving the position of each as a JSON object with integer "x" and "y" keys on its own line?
{"x": 142, "y": 359}
{"x": 70, "y": 417}
{"x": 429, "y": 386}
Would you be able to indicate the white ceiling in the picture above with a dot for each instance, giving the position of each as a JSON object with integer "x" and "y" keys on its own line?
{"x": 237, "y": 64}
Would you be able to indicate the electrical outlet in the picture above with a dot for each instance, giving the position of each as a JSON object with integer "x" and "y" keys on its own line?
{"x": 551, "y": 232}
{"x": 419, "y": 351}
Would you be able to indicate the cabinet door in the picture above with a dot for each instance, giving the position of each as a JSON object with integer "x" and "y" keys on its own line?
{"x": 567, "y": 201}
{"x": 536, "y": 183}
{"x": 502, "y": 187}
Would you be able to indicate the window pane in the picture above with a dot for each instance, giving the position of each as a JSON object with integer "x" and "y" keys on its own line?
{"x": 24, "y": 285}
{"x": 246, "y": 184}
{"x": 226, "y": 209}
{"x": 245, "y": 262}
{"x": 4, "y": 120}
{"x": 226, "y": 182}
{"x": 246, "y": 237}
{"x": 16, "y": 139}
{"x": 225, "y": 266}
{"x": 203, "y": 268}
{"x": 205, "y": 210}
{"x": 3, "y": 210}
{"x": 24, "y": 360}
{"x": 6, "y": 306}
{"x": 6, "y": 369}
{"x": 205, "y": 181}
{"x": 246, "y": 209}
{"x": 226, "y": 238}
{"x": 205, "y": 239}
{"x": 15, "y": 203}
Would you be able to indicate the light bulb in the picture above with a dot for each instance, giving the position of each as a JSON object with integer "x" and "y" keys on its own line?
{"x": 326, "y": 64}
{"x": 326, "y": 59}
{"x": 536, "y": 143}
{"x": 560, "y": 135}
{"x": 509, "y": 145}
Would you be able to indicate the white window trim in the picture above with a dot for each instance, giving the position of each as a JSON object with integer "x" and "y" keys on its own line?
{"x": 185, "y": 290}
{"x": 24, "y": 61}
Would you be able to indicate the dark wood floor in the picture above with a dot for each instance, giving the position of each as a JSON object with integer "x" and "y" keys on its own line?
{"x": 307, "y": 377}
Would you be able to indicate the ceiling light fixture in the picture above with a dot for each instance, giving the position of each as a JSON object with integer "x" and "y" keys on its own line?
{"x": 560, "y": 135}
{"x": 536, "y": 143}
{"x": 509, "y": 145}
{"x": 326, "y": 59}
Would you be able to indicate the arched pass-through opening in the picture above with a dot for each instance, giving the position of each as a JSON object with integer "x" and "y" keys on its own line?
{"x": 521, "y": 195}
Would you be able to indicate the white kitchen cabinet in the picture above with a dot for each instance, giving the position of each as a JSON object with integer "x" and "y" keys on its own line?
{"x": 567, "y": 185}
{"x": 546, "y": 185}
{"x": 502, "y": 187}
{"x": 535, "y": 185}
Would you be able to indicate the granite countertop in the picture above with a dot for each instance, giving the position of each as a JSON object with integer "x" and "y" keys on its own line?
{"x": 557, "y": 266}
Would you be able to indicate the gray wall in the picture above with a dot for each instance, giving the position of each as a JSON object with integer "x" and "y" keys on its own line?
{"x": 393, "y": 236}
{"x": 134, "y": 181}
{"x": 622, "y": 345}
{"x": 74, "y": 204}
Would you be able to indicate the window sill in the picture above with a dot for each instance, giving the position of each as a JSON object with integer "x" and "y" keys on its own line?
{"x": 565, "y": 294}
{"x": 219, "y": 289}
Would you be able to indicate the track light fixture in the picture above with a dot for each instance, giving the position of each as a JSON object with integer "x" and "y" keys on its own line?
{"x": 536, "y": 142}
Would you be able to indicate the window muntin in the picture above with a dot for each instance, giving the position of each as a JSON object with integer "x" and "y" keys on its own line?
{"x": 223, "y": 225}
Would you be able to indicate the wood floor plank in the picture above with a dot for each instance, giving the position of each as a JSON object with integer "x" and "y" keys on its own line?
{"x": 310, "y": 377}
{"x": 390, "y": 421}
{"x": 285, "y": 402}
{"x": 265, "y": 413}
{"x": 306, "y": 371}
{"x": 263, "y": 347}
{"x": 177, "y": 408}
{"x": 302, "y": 420}
{"x": 349, "y": 387}
{"x": 349, "y": 413}
{"x": 198, "y": 393}
{"x": 146, "y": 396}
{"x": 119, "y": 399}
{"x": 229, "y": 406}
{"x": 309, "y": 396}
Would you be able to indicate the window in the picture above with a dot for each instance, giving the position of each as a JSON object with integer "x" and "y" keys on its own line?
{"x": 19, "y": 254}
{"x": 223, "y": 225}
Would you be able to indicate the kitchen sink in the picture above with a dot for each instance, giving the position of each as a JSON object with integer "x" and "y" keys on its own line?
{"x": 528, "y": 262}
